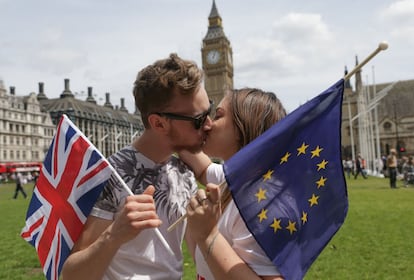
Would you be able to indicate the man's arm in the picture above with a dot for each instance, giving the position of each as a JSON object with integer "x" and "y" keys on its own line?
{"x": 101, "y": 239}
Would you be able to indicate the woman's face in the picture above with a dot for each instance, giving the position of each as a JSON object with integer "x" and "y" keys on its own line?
{"x": 222, "y": 139}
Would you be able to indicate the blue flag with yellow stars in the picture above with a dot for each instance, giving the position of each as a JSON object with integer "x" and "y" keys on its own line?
{"x": 289, "y": 186}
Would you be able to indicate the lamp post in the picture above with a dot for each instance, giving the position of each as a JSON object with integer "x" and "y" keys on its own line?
{"x": 396, "y": 128}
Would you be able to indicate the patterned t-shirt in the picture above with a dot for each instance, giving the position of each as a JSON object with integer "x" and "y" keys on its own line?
{"x": 145, "y": 257}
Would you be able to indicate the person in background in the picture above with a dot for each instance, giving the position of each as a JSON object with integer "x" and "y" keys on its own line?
{"x": 392, "y": 168}
{"x": 225, "y": 247}
{"x": 348, "y": 167}
{"x": 408, "y": 171}
{"x": 115, "y": 242}
{"x": 19, "y": 186}
{"x": 360, "y": 167}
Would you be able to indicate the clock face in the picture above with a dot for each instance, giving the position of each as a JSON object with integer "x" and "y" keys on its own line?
{"x": 213, "y": 57}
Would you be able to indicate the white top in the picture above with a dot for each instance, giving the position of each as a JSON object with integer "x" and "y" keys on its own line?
{"x": 234, "y": 230}
{"x": 145, "y": 257}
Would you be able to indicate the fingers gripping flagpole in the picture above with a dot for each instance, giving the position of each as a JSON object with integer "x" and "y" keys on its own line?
{"x": 157, "y": 232}
{"x": 183, "y": 217}
{"x": 381, "y": 47}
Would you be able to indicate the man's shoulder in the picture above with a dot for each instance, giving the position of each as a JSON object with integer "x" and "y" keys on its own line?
{"x": 176, "y": 162}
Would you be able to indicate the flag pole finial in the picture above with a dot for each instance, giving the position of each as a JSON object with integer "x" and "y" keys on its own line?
{"x": 381, "y": 47}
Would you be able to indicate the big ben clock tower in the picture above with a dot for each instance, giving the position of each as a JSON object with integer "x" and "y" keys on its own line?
{"x": 217, "y": 58}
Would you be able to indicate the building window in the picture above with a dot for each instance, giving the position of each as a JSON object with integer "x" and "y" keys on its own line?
{"x": 387, "y": 126}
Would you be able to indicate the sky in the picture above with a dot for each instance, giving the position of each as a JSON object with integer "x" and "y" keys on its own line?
{"x": 296, "y": 49}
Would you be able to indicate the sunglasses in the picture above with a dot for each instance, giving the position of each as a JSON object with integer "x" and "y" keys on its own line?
{"x": 198, "y": 121}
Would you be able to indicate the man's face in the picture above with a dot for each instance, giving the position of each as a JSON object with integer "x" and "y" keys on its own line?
{"x": 188, "y": 134}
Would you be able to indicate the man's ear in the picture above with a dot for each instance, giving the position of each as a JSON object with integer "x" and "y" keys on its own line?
{"x": 158, "y": 123}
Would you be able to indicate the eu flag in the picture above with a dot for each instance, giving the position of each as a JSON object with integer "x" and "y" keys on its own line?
{"x": 289, "y": 185}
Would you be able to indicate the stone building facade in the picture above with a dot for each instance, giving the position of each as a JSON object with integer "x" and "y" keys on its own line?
{"x": 217, "y": 58}
{"x": 376, "y": 118}
{"x": 25, "y": 129}
{"x": 28, "y": 123}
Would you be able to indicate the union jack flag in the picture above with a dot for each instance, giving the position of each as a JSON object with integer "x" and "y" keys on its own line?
{"x": 73, "y": 175}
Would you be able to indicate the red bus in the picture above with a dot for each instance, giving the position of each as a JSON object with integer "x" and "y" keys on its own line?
{"x": 14, "y": 167}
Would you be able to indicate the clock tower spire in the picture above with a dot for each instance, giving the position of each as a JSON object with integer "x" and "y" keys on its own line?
{"x": 217, "y": 58}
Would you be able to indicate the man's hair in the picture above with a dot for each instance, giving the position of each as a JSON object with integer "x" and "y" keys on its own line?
{"x": 253, "y": 112}
{"x": 158, "y": 83}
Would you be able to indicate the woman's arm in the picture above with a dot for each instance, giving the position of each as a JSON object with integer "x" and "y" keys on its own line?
{"x": 198, "y": 162}
{"x": 221, "y": 258}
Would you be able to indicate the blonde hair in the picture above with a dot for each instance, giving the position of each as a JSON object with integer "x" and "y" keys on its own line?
{"x": 253, "y": 112}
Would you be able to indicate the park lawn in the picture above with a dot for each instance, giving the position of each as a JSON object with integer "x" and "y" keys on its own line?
{"x": 375, "y": 242}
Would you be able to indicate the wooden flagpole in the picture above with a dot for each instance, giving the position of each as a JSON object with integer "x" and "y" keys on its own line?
{"x": 381, "y": 47}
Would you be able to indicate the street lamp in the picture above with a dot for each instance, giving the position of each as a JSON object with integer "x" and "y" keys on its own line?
{"x": 396, "y": 127}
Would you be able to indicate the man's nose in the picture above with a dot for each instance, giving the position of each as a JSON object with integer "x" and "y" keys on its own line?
{"x": 207, "y": 124}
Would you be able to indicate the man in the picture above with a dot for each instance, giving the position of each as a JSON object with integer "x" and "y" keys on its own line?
{"x": 392, "y": 168}
{"x": 360, "y": 167}
{"x": 19, "y": 186}
{"x": 117, "y": 241}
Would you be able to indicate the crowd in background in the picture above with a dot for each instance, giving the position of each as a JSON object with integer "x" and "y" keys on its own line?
{"x": 402, "y": 167}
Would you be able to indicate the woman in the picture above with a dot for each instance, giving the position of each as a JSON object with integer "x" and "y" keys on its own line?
{"x": 225, "y": 248}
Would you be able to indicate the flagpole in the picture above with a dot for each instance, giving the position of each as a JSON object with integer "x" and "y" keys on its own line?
{"x": 183, "y": 217}
{"x": 157, "y": 231}
{"x": 381, "y": 47}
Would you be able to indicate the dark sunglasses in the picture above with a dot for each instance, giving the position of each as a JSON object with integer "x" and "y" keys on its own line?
{"x": 198, "y": 120}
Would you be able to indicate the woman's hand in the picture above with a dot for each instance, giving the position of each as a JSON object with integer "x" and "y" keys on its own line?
{"x": 203, "y": 213}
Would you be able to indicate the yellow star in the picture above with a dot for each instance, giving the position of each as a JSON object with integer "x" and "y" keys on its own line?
{"x": 322, "y": 164}
{"x": 285, "y": 158}
{"x": 321, "y": 182}
{"x": 304, "y": 217}
{"x": 262, "y": 215}
{"x": 302, "y": 149}
{"x": 291, "y": 227}
{"x": 268, "y": 175}
{"x": 261, "y": 195}
{"x": 316, "y": 152}
{"x": 276, "y": 225}
{"x": 313, "y": 200}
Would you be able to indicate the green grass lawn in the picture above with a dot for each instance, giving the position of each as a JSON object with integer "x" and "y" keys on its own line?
{"x": 375, "y": 242}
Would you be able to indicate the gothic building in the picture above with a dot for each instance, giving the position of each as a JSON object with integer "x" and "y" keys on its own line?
{"x": 217, "y": 58}
{"x": 376, "y": 118}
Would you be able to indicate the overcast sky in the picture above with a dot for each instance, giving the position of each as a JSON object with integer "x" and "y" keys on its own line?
{"x": 294, "y": 48}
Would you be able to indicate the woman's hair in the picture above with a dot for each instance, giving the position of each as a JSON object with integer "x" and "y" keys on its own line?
{"x": 158, "y": 83}
{"x": 253, "y": 112}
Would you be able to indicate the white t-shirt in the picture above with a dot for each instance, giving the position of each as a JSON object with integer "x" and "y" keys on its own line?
{"x": 234, "y": 230}
{"x": 145, "y": 257}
